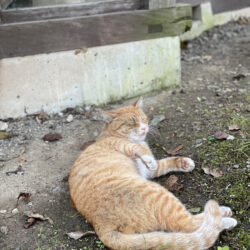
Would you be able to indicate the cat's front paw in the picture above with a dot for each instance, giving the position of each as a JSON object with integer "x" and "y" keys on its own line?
{"x": 150, "y": 162}
{"x": 226, "y": 211}
{"x": 228, "y": 223}
{"x": 186, "y": 164}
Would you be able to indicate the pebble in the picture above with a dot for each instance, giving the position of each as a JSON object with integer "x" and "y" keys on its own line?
{"x": 230, "y": 137}
{"x": 3, "y": 211}
{"x": 157, "y": 119}
{"x": 198, "y": 141}
{"x": 4, "y": 229}
{"x": 56, "y": 189}
{"x": 179, "y": 109}
{"x": 70, "y": 118}
{"x": 236, "y": 166}
{"x": 3, "y": 126}
{"x": 15, "y": 211}
{"x": 87, "y": 108}
{"x": 30, "y": 204}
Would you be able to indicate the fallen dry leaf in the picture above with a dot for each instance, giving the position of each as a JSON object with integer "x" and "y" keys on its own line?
{"x": 242, "y": 20}
{"x": 220, "y": 135}
{"x": 52, "y": 137}
{"x": 22, "y": 159}
{"x": 216, "y": 172}
{"x": 172, "y": 183}
{"x": 26, "y": 196}
{"x": 83, "y": 50}
{"x": 30, "y": 221}
{"x": 233, "y": 127}
{"x": 18, "y": 170}
{"x": 86, "y": 144}
{"x": 41, "y": 115}
{"x": 78, "y": 235}
{"x": 34, "y": 217}
{"x": 175, "y": 151}
{"x": 239, "y": 76}
{"x": 4, "y": 135}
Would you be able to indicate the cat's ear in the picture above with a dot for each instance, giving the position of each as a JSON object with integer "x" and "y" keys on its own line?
{"x": 107, "y": 116}
{"x": 139, "y": 102}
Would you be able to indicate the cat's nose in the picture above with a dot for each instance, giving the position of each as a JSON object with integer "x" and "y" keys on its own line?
{"x": 143, "y": 128}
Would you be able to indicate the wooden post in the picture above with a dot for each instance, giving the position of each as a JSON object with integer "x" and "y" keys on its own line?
{"x": 4, "y": 4}
{"x": 158, "y": 4}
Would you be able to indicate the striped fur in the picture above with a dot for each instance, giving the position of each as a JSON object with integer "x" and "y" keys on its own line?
{"x": 109, "y": 185}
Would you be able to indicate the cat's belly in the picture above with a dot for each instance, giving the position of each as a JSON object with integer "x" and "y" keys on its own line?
{"x": 144, "y": 172}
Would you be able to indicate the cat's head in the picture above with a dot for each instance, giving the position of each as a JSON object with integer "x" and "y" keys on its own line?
{"x": 129, "y": 122}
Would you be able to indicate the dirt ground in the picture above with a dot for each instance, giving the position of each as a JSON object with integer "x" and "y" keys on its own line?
{"x": 214, "y": 95}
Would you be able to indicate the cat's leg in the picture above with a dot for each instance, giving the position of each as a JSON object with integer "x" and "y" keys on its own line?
{"x": 135, "y": 150}
{"x": 173, "y": 215}
{"x": 183, "y": 164}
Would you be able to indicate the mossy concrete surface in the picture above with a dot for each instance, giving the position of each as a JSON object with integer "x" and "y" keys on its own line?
{"x": 52, "y": 82}
{"x": 204, "y": 19}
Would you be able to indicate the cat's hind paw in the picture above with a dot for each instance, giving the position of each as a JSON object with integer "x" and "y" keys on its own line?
{"x": 186, "y": 164}
{"x": 226, "y": 211}
{"x": 150, "y": 162}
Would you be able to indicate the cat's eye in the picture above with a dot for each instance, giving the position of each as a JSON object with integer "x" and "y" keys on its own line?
{"x": 133, "y": 121}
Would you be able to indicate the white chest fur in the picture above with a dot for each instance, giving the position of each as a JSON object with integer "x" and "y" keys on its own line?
{"x": 144, "y": 172}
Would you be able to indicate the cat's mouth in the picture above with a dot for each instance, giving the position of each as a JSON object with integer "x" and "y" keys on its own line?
{"x": 142, "y": 134}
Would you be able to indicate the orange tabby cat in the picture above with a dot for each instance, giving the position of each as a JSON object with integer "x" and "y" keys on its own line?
{"x": 109, "y": 185}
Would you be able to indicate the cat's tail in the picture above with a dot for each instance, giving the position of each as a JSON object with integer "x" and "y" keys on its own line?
{"x": 203, "y": 238}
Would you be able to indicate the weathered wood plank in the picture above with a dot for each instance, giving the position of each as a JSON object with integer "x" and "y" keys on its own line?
{"x": 69, "y": 34}
{"x": 69, "y": 10}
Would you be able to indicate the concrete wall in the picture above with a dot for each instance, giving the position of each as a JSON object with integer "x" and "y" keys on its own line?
{"x": 204, "y": 19}
{"x": 219, "y": 6}
{"x": 55, "y": 81}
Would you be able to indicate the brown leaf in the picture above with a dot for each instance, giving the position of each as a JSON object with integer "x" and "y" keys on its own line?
{"x": 26, "y": 196}
{"x": 86, "y": 144}
{"x": 78, "y": 235}
{"x": 175, "y": 151}
{"x": 220, "y": 135}
{"x": 83, "y": 50}
{"x": 242, "y": 20}
{"x": 18, "y": 170}
{"x": 171, "y": 183}
{"x": 40, "y": 115}
{"x": 4, "y": 135}
{"x": 233, "y": 127}
{"x": 239, "y": 76}
{"x": 30, "y": 221}
{"x": 52, "y": 137}
{"x": 22, "y": 159}
{"x": 34, "y": 217}
{"x": 216, "y": 172}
